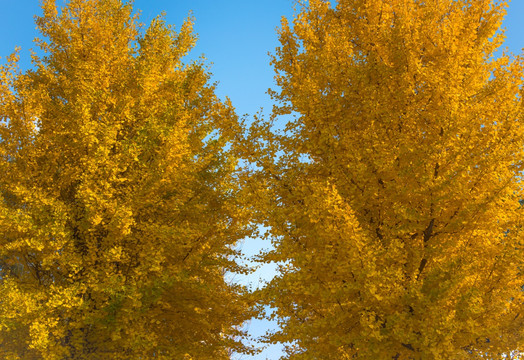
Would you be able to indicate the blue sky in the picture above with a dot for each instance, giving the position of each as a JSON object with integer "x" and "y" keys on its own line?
{"x": 235, "y": 36}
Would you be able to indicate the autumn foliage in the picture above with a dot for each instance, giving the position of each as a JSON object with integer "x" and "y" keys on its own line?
{"x": 119, "y": 209}
{"x": 392, "y": 196}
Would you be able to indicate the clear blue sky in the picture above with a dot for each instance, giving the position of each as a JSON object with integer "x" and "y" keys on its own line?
{"x": 235, "y": 35}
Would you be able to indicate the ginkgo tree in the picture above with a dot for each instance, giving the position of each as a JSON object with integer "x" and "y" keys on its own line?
{"x": 392, "y": 196}
{"x": 119, "y": 205}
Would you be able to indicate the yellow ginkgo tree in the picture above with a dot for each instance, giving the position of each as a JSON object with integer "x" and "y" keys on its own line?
{"x": 392, "y": 196}
{"x": 119, "y": 205}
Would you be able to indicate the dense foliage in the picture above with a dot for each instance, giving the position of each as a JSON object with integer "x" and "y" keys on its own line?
{"x": 392, "y": 197}
{"x": 119, "y": 209}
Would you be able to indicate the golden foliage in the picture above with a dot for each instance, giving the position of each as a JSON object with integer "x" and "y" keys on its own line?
{"x": 392, "y": 197}
{"x": 119, "y": 207}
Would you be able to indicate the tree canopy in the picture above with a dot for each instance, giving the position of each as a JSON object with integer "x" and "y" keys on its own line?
{"x": 120, "y": 209}
{"x": 392, "y": 196}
